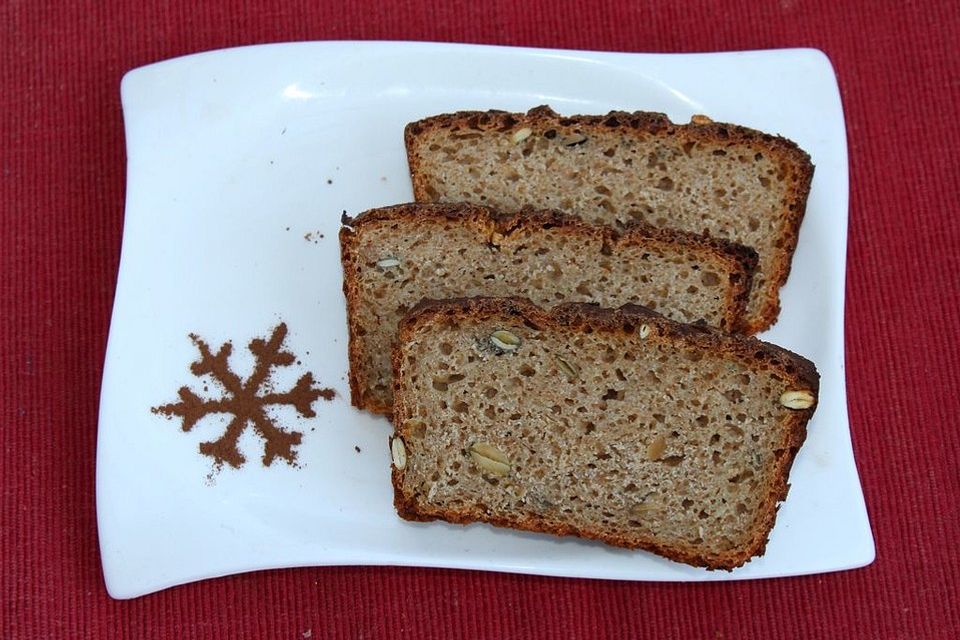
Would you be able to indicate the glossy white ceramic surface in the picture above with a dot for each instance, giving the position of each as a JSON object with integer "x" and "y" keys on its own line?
{"x": 240, "y": 163}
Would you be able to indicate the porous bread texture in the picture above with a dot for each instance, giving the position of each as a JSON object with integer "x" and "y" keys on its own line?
{"x": 620, "y": 426}
{"x": 396, "y": 256}
{"x": 704, "y": 177}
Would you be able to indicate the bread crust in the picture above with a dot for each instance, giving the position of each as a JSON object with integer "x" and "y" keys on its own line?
{"x": 642, "y": 124}
{"x": 798, "y": 370}
{"x": 738, "y": 260}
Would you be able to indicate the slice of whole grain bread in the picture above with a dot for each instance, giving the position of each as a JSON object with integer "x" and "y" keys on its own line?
{"x": 616, "y": 425}
{"x": 704, "y": 177}
{"x": 396, "y": 256}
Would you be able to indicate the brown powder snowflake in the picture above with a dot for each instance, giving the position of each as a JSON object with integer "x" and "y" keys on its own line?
{"x": 246, "y": 400}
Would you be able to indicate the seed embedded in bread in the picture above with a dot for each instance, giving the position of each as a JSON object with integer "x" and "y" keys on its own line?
{"x": 388, "y": 263}
{"x": 656, "y": 448}
{"x": 520, "y": 135}
{"x": 398, "y": 453}
{"x": 569, "y": 369}
{"x": 704, "y": 177}
{"x": 490, "y": 459}
{"x": 676, "y": 443}
{"x": 505, "y": 340}
{"x": 797, "y": 399}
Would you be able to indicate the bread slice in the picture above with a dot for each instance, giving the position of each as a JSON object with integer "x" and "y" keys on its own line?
{"x": 616, "y": 425}
{"x": 703, "y": 177}
{"x": 397, "y": 256}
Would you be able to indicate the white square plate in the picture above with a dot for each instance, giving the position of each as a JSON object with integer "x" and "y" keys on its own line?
{"x": 240, "y": 163}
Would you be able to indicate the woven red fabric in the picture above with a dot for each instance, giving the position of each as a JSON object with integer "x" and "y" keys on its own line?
{"x": 61, "y": 199}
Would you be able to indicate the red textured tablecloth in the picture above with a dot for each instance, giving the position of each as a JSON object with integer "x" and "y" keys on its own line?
{"x": 61, "y": 198}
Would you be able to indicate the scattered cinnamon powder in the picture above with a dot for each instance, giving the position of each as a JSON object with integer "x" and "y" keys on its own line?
{"x": 246, "y": 400}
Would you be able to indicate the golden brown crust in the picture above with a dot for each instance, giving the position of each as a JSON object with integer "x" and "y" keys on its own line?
{"x": 642, "y": 124}
{"x": 797, "y": 369}
{"x": 357, "y": 396}
{"x": 736, "y": 259}
{"x": 357, "y": 370}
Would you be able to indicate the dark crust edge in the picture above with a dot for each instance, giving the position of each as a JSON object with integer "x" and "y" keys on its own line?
{"x": 651, "y": 123}
{"x": 793, "y": 367}
{"x": 737, "y": 260}
{"x": 355, "y": 371}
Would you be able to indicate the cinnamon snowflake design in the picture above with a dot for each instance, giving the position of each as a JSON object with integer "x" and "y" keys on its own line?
{"x": 246, "y": 400}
